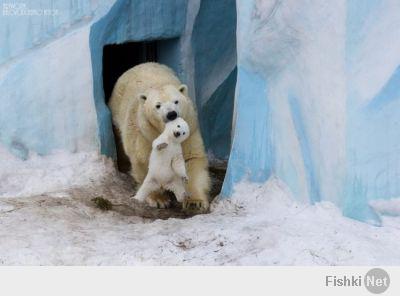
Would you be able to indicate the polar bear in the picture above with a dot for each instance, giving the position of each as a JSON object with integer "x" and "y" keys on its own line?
{"x": 167, "y": 166}
{"x": 144, "y": 99}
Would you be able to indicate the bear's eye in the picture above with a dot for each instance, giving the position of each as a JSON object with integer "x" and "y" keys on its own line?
{"x": 178, "y": 126}
{"x": 158, "y": 106}
{"x": 184, "y": 133}
{"x": 176, "y": 102}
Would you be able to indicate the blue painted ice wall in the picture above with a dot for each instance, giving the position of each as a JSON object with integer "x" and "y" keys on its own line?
{"x": 318, "y": 87}
{"x": 27, "y": 24}
{"x": 45, "y": 76}
{"x": 373, "y": 103}
{"x": 213, "y": 43}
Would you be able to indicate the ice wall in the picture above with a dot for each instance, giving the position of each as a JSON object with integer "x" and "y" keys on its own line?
{"x": 27, "y": 24}
{"x": 214, "y": 50}
{"x": 45, "y": 76}
{"x": 318, "y": 100}
{"x": 373, "y": 62}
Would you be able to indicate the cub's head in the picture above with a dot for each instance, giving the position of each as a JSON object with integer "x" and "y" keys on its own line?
{"x": 165, "y": 104}
{"x": 178, "y": 130}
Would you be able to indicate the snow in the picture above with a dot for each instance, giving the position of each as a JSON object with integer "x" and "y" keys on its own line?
{"x": 262, "y": 224}
{"x": 57, "y": 171}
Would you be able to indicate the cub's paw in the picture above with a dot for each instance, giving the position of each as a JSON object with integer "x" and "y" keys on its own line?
{"x": 195, "y": 205}
{"x": 158, "y": 200}
{"x": 162, "y": 146}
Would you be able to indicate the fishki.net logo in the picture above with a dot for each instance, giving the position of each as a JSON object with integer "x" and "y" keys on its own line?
{"x": 375, "y": 281}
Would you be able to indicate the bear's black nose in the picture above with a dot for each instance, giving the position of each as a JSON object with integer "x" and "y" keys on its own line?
{"x": 177, "y": 134}
{"x": 172, "y": 115}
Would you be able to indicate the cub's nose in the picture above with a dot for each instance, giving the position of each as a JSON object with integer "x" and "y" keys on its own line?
{"x": 177, "y": 134}
{"x": 172, "y": 115}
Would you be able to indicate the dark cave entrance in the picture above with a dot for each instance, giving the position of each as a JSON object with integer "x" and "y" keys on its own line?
{"x": 117, "y": 59}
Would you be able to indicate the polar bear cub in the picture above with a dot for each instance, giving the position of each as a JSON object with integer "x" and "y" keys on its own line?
{"x": 167, "y": 166}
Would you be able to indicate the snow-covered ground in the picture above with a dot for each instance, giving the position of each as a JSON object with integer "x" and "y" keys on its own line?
{"x": 58, "y": 171}
{"x": 260, "y": 225}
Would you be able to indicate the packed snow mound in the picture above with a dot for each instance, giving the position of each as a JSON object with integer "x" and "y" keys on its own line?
{"x": 57, "y": 171}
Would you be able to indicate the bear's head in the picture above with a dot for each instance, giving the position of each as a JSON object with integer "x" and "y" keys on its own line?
{"x": 166, "y": 103}
{"x": 177, "y": 130}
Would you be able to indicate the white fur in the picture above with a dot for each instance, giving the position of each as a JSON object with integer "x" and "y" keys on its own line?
{"x": 167, "y": 165}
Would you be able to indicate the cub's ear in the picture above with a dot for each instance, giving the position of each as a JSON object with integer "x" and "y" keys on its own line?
{"x": 142, "y": 97}
{"x": 183, "y": 89}
{"x": 162, "y": 146}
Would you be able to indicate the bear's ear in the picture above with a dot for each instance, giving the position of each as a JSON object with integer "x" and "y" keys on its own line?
{"x": 143, "y": 97}
{"x": 183, "y": 89}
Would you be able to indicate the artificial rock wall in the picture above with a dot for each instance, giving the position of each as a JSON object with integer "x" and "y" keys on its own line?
{"x": 318, "y": 100}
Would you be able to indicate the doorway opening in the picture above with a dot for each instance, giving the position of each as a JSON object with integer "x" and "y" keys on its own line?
{"x": 117, "y": 59}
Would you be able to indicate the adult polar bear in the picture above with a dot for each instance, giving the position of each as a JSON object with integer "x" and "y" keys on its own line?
{"x": 143, "y": 100}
